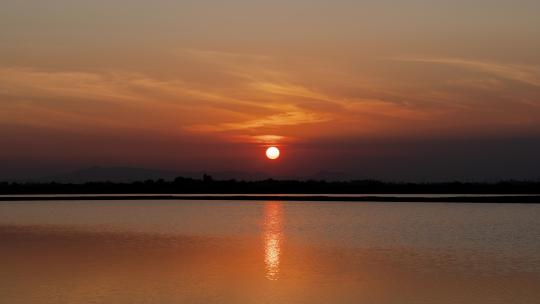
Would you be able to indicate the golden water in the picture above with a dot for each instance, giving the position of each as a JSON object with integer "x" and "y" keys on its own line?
{"x": 268, "y": 252}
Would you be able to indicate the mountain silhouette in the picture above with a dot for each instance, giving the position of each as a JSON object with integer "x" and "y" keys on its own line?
{"x": 133, "y": 174}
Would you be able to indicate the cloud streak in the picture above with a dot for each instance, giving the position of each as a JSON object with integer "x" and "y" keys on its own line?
{"x": 525, "y": 74}
{"x": 256, "y": 95}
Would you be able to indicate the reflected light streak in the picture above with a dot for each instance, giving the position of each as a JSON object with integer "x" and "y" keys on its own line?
{"x": 273, "y": 238}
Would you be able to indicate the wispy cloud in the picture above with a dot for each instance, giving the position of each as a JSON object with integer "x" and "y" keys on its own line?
{"x": 281, "y": 119}
{"x": 522, "y": 73}
{"x": 256, "y": 95}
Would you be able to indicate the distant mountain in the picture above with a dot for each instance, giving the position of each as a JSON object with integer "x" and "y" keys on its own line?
{"x": 130, "y": 174}
{"x": 238, "y": 175}
{"x": 112, "y": 174}
{"x": 329, "y": 176}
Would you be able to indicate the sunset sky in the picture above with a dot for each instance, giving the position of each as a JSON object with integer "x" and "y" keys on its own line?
{"x": 408, "y": 90}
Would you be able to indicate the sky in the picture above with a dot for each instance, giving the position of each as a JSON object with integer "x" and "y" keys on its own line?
{"x": 394, "y": 90}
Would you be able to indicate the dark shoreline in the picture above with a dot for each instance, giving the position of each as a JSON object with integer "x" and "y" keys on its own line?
{"x": 208, "y": 186}
{"x": 508, "y": 199}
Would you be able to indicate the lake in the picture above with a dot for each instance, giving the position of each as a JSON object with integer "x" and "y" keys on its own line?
{"x": 183, "y": 251}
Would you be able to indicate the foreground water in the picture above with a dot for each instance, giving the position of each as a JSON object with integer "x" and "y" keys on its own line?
{"x": 268, "y": 252}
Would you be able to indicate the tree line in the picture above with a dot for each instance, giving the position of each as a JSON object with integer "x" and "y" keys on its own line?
{"x": 207, "y": 185}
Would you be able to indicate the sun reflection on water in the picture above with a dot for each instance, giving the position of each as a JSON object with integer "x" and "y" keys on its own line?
{"x": 273, "y": 238}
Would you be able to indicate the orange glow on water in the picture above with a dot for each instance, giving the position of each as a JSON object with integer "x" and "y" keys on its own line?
{"x": 273, "y": 239}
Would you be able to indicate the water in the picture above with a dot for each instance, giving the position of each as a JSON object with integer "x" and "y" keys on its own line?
{"x": 268, "y": 252}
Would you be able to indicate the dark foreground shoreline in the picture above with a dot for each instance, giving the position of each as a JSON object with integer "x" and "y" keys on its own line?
{"x": 207, "y": 185}
{"x": 507, "y": 199}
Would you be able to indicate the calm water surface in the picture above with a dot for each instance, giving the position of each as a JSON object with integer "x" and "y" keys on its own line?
{"x": 268, "y": 252}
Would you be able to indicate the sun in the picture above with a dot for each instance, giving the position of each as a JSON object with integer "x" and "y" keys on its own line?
{"x": 272, "y": 153}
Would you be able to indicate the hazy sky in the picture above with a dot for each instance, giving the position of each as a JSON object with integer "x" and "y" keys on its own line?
{"x": 396, "y": 90}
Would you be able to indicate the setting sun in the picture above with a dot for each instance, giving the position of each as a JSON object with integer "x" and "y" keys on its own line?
{"x": 272, "y": 153}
